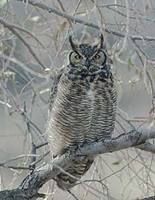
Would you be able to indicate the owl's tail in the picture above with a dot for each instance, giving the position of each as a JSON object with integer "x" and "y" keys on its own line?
{"x": 69, "y": 178}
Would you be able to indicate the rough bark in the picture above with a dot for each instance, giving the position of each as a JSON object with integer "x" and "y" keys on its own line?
{"x": 30, "y": 186}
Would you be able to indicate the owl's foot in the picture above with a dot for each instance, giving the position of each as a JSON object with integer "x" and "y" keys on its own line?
{"x": 73, "y": 151}
{"x": 102, "y": 139}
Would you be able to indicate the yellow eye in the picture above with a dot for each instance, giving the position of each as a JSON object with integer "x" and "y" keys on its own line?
{"x": 97, "y": 57}
{"x": 77, "y": 57}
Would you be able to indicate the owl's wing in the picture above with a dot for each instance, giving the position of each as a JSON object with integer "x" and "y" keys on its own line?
{"x": 53, "y": 90}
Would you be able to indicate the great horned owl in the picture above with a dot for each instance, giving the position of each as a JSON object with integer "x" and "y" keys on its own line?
{"x": 84, "y": 107}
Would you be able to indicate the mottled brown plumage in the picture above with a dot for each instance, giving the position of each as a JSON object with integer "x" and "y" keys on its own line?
{"x": 84, "y": 107}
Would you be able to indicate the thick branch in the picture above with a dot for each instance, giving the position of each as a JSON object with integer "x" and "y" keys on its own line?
{"x": 33, "y": 182}
{"x": 132, "y": 139}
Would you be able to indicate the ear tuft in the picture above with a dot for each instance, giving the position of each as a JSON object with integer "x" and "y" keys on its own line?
{"x": 101, "y": 40}
{"x": 73, "y": 44}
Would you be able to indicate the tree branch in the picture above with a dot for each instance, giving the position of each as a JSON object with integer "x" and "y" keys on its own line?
{"x": 86, "y": 23}
{"x": 12, "y": 29}
{"x": 37, "y": 178}
{"x": 148, "y": 198}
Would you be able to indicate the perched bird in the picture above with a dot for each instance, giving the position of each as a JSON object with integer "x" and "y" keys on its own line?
{"x": 84, "y": 106}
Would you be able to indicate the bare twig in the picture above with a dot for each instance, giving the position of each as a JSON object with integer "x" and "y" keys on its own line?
{"x": 12, "y": 29}
{"x": 22, "y": 30}
{"x": 109, "y": 6}
{"x": 77, "y": 20}
{"x": 148, "y": 198}
{"x": 6, "y": 164}
{"x": 24, "y": 67}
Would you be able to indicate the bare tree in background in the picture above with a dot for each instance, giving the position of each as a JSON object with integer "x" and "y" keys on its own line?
{"x": 33, "y": 50}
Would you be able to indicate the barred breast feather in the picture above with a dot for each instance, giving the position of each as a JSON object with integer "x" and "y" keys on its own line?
{"x": 83, "y": 112}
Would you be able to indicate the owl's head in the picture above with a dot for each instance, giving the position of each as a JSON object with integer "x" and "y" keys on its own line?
{"x": 86, "y": 58}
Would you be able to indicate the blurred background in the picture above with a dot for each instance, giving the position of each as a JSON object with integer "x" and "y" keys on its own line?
{"x": 34, "y": 47}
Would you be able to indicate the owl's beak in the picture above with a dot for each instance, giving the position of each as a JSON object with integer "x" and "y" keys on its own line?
{"x": 87, "y": 63}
